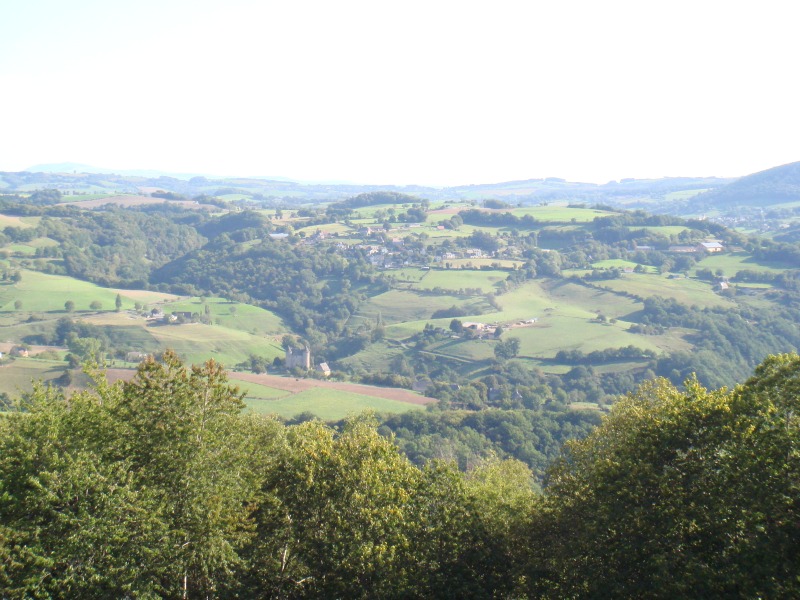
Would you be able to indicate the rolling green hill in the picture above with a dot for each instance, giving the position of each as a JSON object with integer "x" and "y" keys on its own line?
{"x": 555, "y": 304}
{"x": 778, "y": 185}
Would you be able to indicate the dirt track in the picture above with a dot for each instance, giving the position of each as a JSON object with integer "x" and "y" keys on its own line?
{"x": 293, "y": 385}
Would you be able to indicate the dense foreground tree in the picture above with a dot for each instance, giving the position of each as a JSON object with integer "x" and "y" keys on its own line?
{"x": 163, "y": 487}
{"x": 680, "y": 494}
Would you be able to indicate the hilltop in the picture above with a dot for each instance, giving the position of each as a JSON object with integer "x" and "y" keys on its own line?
{"x": 769, "y": 188}
{"x": 76, "y": 179}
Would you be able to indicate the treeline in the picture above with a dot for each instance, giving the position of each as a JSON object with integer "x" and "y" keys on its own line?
{"x": 382, "y": 197}
{"x": 599, "y": 357}
{"x": 163, "y": 487}
{"x": 484, "y": 218}
{"x": 729, "y": 342}
{"x": 469, "y": 438}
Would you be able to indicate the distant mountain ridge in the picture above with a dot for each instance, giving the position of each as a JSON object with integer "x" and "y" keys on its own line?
{"x": 72, "y": 178}
{"x": 70, "y": 167}
{"x": 777, "y": 185}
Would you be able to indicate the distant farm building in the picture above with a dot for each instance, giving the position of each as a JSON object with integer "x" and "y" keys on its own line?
{"x": 324, "y": 369}
{"x": 135, "y": 357}
{"x": 710, "y": 247}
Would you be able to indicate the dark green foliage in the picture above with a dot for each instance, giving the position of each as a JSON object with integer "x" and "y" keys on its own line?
{"x": 507, "y": 349}
{"x": 161, "y": 487}
{"x": 45, "y": 197}
{"x": 313, "y": 288}
{"x": 532, "y": 437}
{"x": 236, "y": 222}
{"x": 372, "y": 198}
{"x": 498, "y": 219}
{"x": 773, "y": 186}
{"x": 689, "y": 494}
{"x": 117, "y": 247}
{"x": 453, "y": 311}
{"x": 729, "y": 342}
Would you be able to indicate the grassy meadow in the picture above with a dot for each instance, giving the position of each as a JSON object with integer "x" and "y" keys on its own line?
{"x": 41, "y": 292}
{"x": 733, "y": 262}
{"x": 327, "y": 404}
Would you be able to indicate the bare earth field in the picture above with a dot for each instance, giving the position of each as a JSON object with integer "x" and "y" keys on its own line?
{"x": 293, "y": 385}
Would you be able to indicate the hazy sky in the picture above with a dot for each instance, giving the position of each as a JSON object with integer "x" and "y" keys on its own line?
{"x": 433, "y": 92}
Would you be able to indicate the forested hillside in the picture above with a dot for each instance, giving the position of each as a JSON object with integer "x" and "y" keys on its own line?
{"x": 163, "y": 487}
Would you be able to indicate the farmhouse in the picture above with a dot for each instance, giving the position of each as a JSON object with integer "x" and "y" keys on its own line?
{"x": 135, "y": 356}
{"x": 324, "y": 369}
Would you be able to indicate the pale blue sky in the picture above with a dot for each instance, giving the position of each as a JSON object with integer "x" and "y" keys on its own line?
{"x": 434, "y": 92}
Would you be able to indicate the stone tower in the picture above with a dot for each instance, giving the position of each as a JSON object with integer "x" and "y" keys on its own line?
{"x": 298, "y": 358}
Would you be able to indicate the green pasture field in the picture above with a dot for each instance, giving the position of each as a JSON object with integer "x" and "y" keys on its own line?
{"x": 621, "y": 264}
{"x": 397, "y": 306}
{"x": 561, "y": 332}
{"x": 233, "y": 315}
{"x": 21, "y": 222}
{"x": 376, "y": 357}
{"x": 464, "y": 349}
{"x": 42, "y": 242}
{"x": 41, "y": 292}
{"x": 683, "y": 194}
{"x": 560, "y": 213}
{"x": 16, "y": 376}
{"x": 619, "y": 367}
{"x": 257, "y": 391}
{"x": 196, "y": 343}
{"x": 541, "y": 299}
{"x": 407, "y": 275}
{"x": 437, "y": 236}
{"x": 685, "y": 291}
{"x": 534, "y": 299}
{"x": 731, "y": 263}
{"x": 456, "y": 279}
{"x": 502, "y": 263}
{"x": 584, "y": 406}
{"x": 14, "y": 327}
{"x": 327, "y": 404}
{"x": 81, "y": 197}
{"x": 666, "y": 230}
{"x": 20, "y": 249}
{"x": 754, "y": 286}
